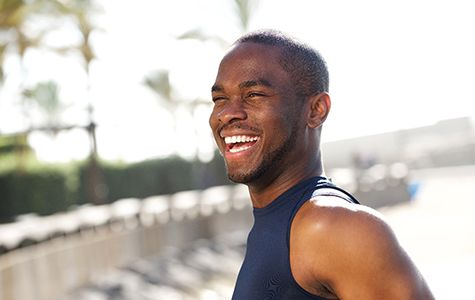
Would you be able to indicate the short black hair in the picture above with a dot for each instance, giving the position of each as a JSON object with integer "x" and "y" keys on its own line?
{"x": 305, "y": 65}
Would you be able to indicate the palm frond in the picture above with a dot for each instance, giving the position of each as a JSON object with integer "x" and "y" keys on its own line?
{"x": 199, "y": 35}
{"x": 159, "y": 83}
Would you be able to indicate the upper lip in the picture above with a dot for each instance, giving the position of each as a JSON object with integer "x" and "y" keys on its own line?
{"x": 236, "y": 129}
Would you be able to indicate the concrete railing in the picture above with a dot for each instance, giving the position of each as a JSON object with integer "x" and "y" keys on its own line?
{"x": 45, "y": 257}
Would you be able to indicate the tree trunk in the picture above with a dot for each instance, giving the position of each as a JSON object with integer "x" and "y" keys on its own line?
{"x": 96, "y": 189}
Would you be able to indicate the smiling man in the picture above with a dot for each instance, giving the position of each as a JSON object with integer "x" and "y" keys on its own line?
{"x": 310, "y": 239}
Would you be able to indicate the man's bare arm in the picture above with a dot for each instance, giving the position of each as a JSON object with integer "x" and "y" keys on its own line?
{"x": 354, "y": 253}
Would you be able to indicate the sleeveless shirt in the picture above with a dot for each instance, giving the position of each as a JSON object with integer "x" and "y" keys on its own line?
{"x": 265, "y": 273}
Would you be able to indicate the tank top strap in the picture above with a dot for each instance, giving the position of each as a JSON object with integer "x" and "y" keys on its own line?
{"x": 320, "y": 186}
{"x": 325, "y": 187}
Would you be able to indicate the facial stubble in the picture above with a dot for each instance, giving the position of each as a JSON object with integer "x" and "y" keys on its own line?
{"x": 269, "y": 161}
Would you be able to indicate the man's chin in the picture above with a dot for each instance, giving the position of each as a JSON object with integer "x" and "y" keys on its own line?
{"x": 244, "y": 177}
{"x": 239, "y": 178}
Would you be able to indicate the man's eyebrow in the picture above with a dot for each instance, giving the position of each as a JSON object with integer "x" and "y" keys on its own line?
{"x": 257, "y": 82}
{"x": 244, "y": 84}
{"x": 217, "y": 88}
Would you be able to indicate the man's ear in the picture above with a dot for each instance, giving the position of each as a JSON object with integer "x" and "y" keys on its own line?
{"x": 319, "y": 108}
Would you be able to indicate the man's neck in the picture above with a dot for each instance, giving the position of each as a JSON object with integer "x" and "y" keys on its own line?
{"x": 264, "y": 191}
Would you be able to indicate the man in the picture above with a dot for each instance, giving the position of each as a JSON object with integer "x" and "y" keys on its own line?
{"x": 310, "y": 240}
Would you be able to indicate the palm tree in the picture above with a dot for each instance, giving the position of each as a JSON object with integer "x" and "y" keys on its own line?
{"x": 45, "y": 97}
{"x": 13, "y": 37}
{"x": 3, "y": 47}
{"x": 81, "y": 11}
{"x": 13, "y": 15}
{"x": 159, "y": 83}
{"x": 243, "y": 10}
{"x": 97, "y": 190}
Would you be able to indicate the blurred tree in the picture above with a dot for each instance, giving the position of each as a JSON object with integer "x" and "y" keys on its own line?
{"x": 13, "y": 14}
{"x": 45, "y": 97}
{"x": 97, "y": 189}
{"x": 82, "y": 11}
{"x": 3, "y": 47}
{"x": 159, "y": 82}
{"x": 243, "y": 10}
{"x": 9, "y": 149}
{"x": 14, "y": 37}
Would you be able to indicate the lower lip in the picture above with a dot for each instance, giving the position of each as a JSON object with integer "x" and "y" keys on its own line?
{"x": 244, "y": 152}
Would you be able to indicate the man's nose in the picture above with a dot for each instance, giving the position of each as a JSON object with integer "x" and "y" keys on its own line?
{"x": 232, "y": 111}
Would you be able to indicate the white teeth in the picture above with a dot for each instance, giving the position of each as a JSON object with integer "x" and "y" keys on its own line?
{"x": 239, "y": 149}
{"x": 239, "y": 139}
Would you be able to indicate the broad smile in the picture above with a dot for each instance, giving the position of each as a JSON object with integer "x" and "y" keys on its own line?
{"x": 239, "y": 143}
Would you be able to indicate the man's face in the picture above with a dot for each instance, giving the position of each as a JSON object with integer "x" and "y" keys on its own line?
{"x": 255, "y": 115}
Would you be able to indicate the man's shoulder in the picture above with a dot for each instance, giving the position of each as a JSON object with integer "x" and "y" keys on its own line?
{"x": 352, "y": 249}
{"x": 337, "y": 236}
{"x": 332, "y": 223}
{"x": 338, "y": 212}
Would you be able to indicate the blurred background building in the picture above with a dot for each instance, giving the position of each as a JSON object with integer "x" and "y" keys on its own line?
{"x": 110, "y": 183}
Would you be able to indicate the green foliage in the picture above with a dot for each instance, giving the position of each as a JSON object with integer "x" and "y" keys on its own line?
{"x": 12, "y": 143}
{"x": 156, "y": 177}
{"x": 46, "y": 189}
{"x": 45, "y": 97}
{"x": 15, "y": 152}
{"x": 40, "y": 191}
{"x": 159, "y": 83}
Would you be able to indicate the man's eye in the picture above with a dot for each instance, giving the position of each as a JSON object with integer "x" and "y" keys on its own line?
{"x": 254, "y": 94}
{"x": 218, "y": 98}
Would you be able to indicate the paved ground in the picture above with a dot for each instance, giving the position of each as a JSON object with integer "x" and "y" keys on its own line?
{"x": 437, "y": 229}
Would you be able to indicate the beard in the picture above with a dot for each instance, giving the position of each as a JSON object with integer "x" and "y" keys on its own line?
{"x": 270, "y": 160}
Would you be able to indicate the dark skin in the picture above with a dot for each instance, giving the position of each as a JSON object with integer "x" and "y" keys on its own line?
{"x": 338, "y": 250}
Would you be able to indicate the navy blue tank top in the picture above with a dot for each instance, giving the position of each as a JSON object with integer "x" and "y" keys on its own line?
{"x": 265, "y": 273}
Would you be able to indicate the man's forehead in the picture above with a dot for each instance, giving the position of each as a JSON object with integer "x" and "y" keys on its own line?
{"x": 250, "y": 64}
{"x": 249, "y": 50}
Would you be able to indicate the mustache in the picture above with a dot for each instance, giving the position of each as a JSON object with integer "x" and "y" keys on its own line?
{"x": 238, "y": 125}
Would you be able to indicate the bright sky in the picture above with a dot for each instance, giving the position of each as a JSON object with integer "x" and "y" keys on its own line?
{"x": 393, "y": 65}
